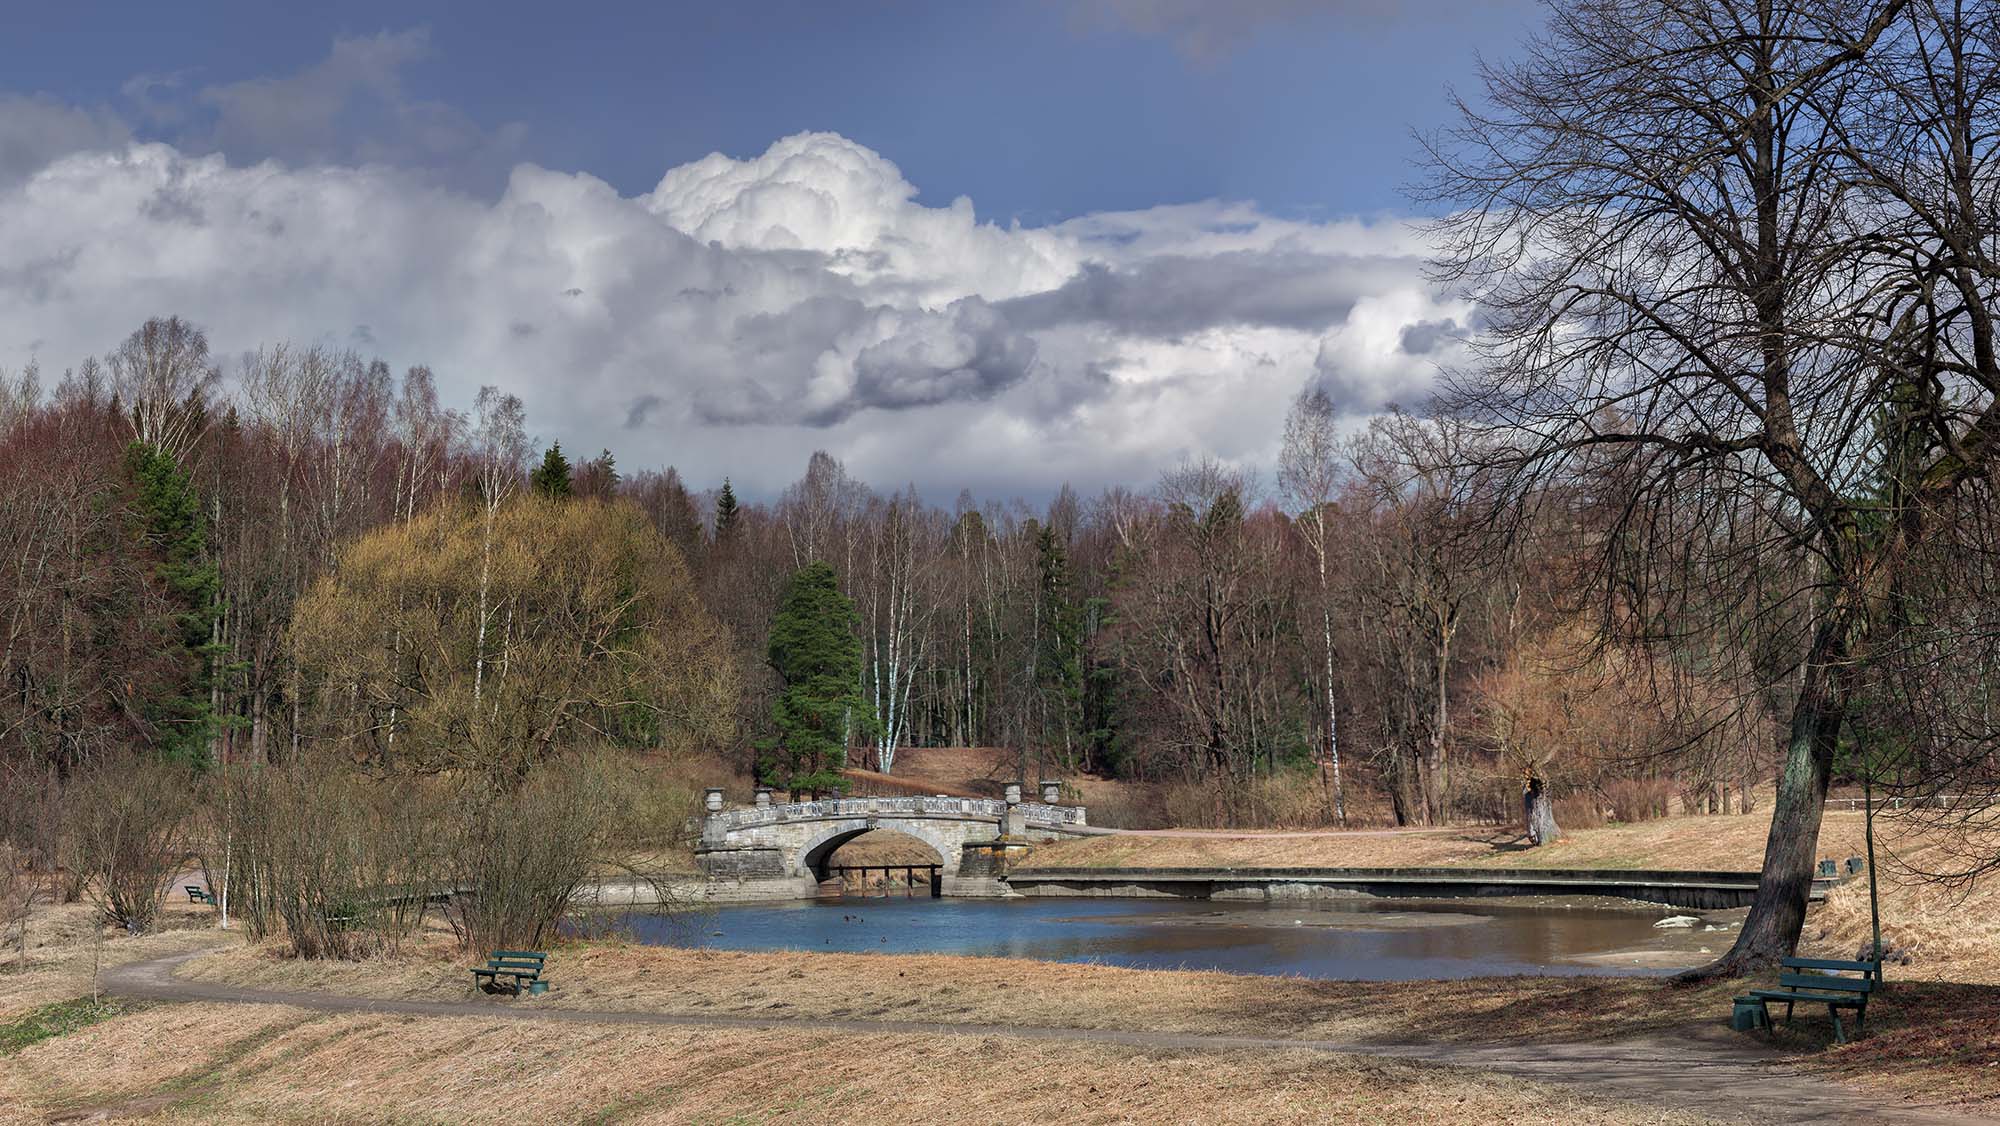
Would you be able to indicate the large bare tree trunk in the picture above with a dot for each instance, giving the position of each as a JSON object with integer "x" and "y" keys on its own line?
{"x": 1436, "y": 777}
{"x": 1778, "y": 913}
{"x": 1538, "y": 812}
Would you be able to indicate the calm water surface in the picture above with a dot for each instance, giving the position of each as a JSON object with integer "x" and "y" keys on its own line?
{"x": 1374, "y": 940}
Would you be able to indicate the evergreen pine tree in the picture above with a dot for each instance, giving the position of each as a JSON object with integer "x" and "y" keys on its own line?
{"x": 816, "y": 651}
{"x": 725, "y": 512}
{"x": 551, "y": 477}
{"x": 168, "y": 517}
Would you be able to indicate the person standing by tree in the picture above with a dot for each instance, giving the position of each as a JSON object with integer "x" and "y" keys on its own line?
{"x": 816, "y": 651}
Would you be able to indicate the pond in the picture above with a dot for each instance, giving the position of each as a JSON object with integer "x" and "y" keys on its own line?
{"x": 1363, "y": 939}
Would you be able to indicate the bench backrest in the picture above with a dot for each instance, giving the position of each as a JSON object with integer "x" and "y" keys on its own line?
{"x": 1871, "y": 969}
{"x": 1827, "y": 982}
{"x": 535, "y": 955}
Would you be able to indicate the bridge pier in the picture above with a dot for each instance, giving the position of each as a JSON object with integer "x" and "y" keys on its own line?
{"x": 981, "y": 866}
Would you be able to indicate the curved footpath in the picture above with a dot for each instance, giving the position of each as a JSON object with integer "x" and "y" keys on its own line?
{"x": 1727, "y": 1080}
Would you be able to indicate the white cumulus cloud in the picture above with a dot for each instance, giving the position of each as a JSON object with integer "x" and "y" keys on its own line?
{"x": 745, "y": 310}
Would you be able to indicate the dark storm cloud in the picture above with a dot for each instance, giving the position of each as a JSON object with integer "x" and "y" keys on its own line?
{"x": 1426, "y": 337}
{"x": 642, "y": 408}
{"x": 1172, "y": 296}
{"x": 36, "y": 130}
{"x": 969, "y": 353}
{"x": 966, "y": 352}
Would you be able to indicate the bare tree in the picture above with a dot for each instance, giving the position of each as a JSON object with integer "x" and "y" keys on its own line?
{"x": 905, "y": 544}
{"x": 818, "y": 509}
{"x": 163, "y": 376}
{"x": 1715, "y": 248}
{"x": 1310, "y": 474}
{"x": 424, "y": 431}
{"x": 127, "y": 827}
{"x": 499, "y": 447}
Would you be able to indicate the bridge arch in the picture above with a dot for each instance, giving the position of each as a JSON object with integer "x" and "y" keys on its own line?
{"x": 817, "y": 852}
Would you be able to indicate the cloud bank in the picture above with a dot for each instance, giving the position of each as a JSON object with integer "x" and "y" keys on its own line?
{"x": 742, "y": 313}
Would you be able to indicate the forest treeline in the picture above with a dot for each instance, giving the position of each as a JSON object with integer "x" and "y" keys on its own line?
{"x": 1707, "y": 500}
{"x": 250, "y": 563}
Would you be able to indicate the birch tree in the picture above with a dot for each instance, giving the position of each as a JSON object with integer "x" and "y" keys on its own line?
{"x": 1309, "y": 474}
{"x": 900, "y": 597}
{"x": 163, "y": 376}
{"x": 499, "y": 448}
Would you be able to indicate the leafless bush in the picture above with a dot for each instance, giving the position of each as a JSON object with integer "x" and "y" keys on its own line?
{"x": 18, "y": 892}
{"x": 1631, "y": 800}
{"x": 342, "y": 862}
{"x": 1581, "y": 811}
{"x": 519, "y": 855}
{"x": 661, "y": 807}
{"x": 31, "y": 815}
{"x": 126, "y": 824}
{"x": 1134, "y": 806}
{"x": 1287, "y": 799}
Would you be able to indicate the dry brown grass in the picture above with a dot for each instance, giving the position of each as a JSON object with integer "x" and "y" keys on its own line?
{"x": 1723, "y": 842}
{"x": 612, "y": 977}
{"x": 255, "y": 1062}
{"x": 239, "y": 1064}
{"x": 1948, "y": 933}
{"x": 1943, "y": 1038}
{"x": 62, "y": 955}
{"x": 973, "y": 771}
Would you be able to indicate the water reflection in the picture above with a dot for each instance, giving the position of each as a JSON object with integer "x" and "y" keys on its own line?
{"x": 1376, "y": 940}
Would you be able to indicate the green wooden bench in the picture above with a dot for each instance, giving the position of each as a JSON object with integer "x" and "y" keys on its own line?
{"x": 513, "y": 970}
{"x": 1822, "y": 982}
{"x": 197, "y": 895}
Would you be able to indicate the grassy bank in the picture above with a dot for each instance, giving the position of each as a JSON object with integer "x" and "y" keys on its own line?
{"x": 66, "y": 950}
{"x": 1944, "y": 1039}
{"x": 238, "y": 1063}
{"x": 1722, "y": 843}
{"x": 215, "y": 1063}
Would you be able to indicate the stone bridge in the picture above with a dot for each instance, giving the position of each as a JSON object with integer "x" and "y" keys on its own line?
{"x": 784, "y": 848}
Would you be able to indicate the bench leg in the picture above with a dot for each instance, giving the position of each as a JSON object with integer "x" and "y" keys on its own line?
{"x": 1839, "y": 1033}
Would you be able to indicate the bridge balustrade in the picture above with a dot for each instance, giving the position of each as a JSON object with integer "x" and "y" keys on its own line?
{"x": 839, "y": 808}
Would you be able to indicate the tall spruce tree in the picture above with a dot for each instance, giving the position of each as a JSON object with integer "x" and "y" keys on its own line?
{"x": 816, "y": 651}
{"x": 725, "y": 512}
{"x": 167, "y": 517}
{"x": 552, "y": 478}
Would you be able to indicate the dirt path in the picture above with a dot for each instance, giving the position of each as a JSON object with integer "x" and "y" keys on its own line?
{"x": 1727, "y": 1080}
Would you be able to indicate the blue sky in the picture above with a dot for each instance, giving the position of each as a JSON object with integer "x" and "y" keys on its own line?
{"x": 1036, "y": 109}
{"x": 1143, "y": 148}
